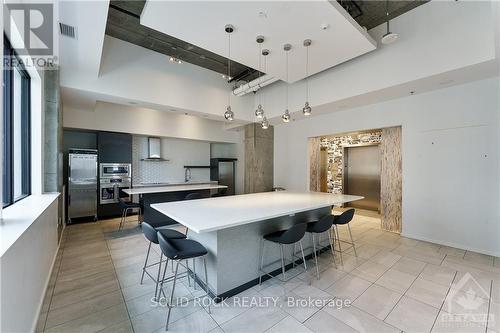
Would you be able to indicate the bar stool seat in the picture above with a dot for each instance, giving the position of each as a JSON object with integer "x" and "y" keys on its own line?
{"x": 318, "y": 227}
{"x": 151, "y": 232}
{"x": 179, "y": 250}
{"x": 344, "y": 219}
{"x": 126, "y": 207}
{"x": 186, "y": 248}
{"x": 171, "y": 234}
{"x": 294, "y": 236}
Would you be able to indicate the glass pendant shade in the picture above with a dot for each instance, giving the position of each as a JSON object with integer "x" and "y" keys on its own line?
{"x": 265, "y": 123}
{"x": 229, "y": 114}
{"x": 306, "y": 110}
{"x": 259, "y": 112}
{"x": 286, "y": 116}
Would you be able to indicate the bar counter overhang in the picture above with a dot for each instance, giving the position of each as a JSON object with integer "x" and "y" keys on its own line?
{"x": 232, "y": 227}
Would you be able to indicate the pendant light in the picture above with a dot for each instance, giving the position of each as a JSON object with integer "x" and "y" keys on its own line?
{"x": 259, "y": 112}
{"x": 286, "y": 116}
{"x": 389, "y": 37}
{"x": 306, "y": 110}
{"x": 229, "y": 114}
{"x": 265, "y": 123}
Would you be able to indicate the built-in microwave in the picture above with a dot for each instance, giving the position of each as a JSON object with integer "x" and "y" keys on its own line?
{"x": 115, "y": 170}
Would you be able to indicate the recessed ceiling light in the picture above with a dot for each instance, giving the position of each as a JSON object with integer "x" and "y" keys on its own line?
{"x": 324, "y": 26}
{"x": 262, "y": 14}
{"x": 412, "y": 92}
{"x": 133, "y": 103}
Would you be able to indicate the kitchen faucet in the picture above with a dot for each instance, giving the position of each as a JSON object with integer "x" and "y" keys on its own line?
{"x": 187, "y": 175}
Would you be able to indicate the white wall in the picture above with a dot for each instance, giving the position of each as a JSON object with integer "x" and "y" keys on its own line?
{"x": 178, "y": 152}
{"x": 25, "y": 270}
{"x": 450, "y": 160}
{"x": 142, "y": 121}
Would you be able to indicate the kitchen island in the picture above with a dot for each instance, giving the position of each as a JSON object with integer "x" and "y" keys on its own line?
{"x": 231, "y": 229}
{"x": 167, "y": 193}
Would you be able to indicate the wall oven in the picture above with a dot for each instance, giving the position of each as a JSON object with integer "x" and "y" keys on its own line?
{"x": 114, "y": 178}
{"x": 113, "y": 170}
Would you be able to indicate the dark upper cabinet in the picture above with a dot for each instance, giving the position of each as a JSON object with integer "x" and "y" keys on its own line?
{"x": 114, "y": 147}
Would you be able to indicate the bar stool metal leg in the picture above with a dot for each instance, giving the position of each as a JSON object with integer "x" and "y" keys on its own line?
{"x": 145, "y": 263}
{"x": 261, "y": 259}
{"x": 206, "y": 280}
{"x": 352, "y": 240}
{"x": 303, "y": 256}
{"x": 332, "y": 247}
{"x": 158, "y": 278}
{"x": 315, "y": 257}
{"x": 282, "y": 261}
{"x": 194, "y": 273}
{"x": 172, "y": 295}
{"x": 338, "y": 242}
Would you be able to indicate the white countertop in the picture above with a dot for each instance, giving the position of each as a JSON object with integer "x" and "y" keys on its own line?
{"x": 194, "y": 182}
{"x": 205, "y": 215}
{"x": 173, "y": 188}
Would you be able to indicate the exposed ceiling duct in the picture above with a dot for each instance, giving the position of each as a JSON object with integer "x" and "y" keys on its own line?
{"x": 254, "y": 85}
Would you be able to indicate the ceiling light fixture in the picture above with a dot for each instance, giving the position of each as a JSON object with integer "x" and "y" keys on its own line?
{"x": 265, "y": 123}
{"x": 286, "y": 116}
{"x": 306, "y": 110}
{"x": 176, "y": 60}
{"x": 389, "y": 37}
{"x": 259, "y": 112}
{"x": 229, "y": 114}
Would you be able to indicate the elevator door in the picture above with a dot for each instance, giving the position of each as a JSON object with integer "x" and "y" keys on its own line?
{"x": 362, "y": 175}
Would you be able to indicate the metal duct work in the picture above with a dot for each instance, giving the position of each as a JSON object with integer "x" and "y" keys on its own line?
{"x": 254, "y": 85}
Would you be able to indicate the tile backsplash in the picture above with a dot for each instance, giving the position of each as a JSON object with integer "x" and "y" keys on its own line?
{"x": 178, "y": 152}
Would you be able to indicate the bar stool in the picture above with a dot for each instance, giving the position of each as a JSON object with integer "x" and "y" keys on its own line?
{"x": 126, "y": 207}
{"x": 178, "y": 250}
{"x": 323, "y": 225}
{"x": 151, "y": 233}
{"x": 193, "y": 196}
{"x": 293, "y": 236}
{"x": 343, "y": 219}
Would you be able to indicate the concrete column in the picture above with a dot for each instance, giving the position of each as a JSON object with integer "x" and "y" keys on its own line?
{"x": 259, "y": 158}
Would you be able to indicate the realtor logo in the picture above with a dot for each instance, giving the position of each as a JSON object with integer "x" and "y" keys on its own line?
{"x": 466, "y": 304}
{"x": 34, "y": 24}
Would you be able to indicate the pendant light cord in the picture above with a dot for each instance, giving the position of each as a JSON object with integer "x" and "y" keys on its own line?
{"x": 307, "y": 73}
{"x": 287, "y": 79}
{"x": 387, "y": 14}
{"x": 260, "y": 66}
{"x": 229, "y": 67}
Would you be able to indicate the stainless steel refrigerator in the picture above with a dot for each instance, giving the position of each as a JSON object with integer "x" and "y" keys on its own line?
{"x": 223, "y": 170}
{"x": 82, "y": 183}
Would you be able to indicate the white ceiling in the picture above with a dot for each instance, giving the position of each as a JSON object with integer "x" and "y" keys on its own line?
{"x": 202, "y": 24}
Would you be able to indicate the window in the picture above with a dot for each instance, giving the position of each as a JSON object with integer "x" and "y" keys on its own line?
{"x": 16, "y": 129}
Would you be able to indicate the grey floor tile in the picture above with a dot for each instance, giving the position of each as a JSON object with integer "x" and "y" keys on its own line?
{"x": 349, "y": 287}
{"x": 360, "y": 320}
{"x": 411, "y": 316}
{"x": 377, "y": 301}
{"x": 322, "y": 322}
{"x": 257, "y": 319}
{"x": 287, "y": 325}
{"x": 396, "y": 280}
{"x": 428, "y": 292}
{"x": 438, "y": 274}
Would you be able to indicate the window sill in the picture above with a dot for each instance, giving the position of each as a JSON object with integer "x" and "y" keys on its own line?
{"x": 17, "y": 218}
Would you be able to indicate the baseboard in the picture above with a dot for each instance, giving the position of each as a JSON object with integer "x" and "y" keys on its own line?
{"x": 451, "y": 244}
{"x": 40, "y": 304}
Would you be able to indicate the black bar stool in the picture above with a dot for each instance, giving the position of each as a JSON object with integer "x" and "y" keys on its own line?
{"x": 343, "y": 219}
{"x": 193, "y": 196}
{"x": 126, "y": 207}
{"x": 319, "y": 227}
{"x": 151, "y": 234}
{"x": 178, "y": 250}
{"x": 293, "y": 236}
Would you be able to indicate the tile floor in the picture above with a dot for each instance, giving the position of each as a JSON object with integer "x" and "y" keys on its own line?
{"x": 395, "y": 284}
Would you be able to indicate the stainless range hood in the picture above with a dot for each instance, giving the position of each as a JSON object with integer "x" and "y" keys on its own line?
{"x": 154, "y": 151}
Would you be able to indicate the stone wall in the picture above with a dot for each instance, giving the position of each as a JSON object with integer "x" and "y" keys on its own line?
{"x": 335, "y": 148}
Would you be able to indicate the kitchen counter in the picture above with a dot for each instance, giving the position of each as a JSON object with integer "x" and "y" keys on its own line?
{"x": 193, "y": 182}
{"x": 232, "y": 227}
{"x": 173, "y": 188}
